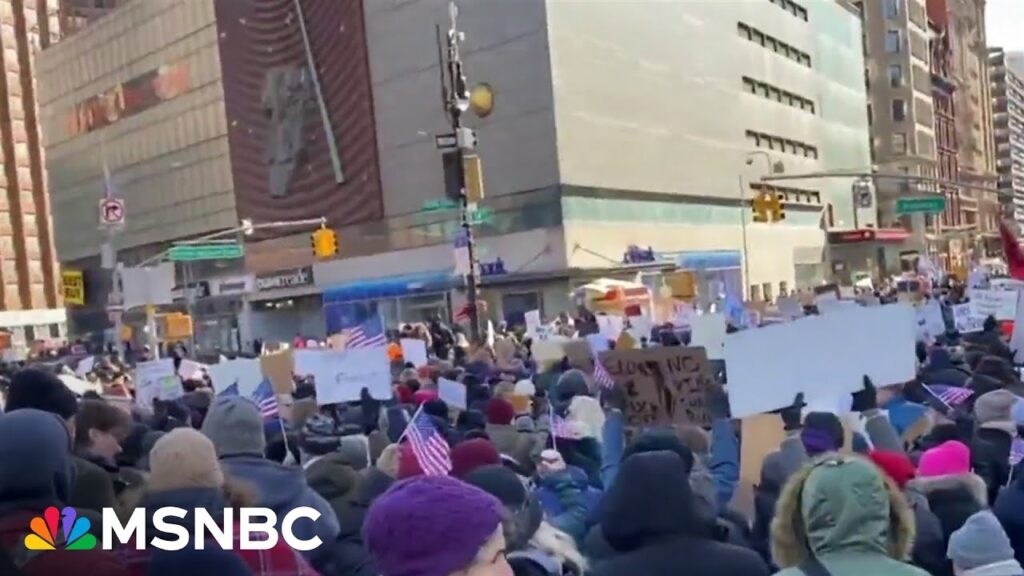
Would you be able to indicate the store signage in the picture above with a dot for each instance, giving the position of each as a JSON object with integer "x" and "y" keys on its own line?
{"x": 193, "y": 291}
{"x": 285, "y": 279}
{"x": 638, "y": 255}
{"x": 73, "y": 282}
{"x": 129, "y": 98}
{"x": 232, "y": 286}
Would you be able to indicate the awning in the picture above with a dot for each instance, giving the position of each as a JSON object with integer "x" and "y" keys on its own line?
{"x": 392, "y": 286}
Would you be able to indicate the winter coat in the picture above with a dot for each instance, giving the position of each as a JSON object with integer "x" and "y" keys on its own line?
{"x": 845, "y": 513}
{"x": 648, "y": 518}
{"x": 775, "y": 471}
{"x": 333, "y": 478}
{"x": 584, "y": 453}
{"x": 1009, "y": 508}
{"x": 350, "y": 556}
{"x": 523, "y": 446}
{"x": 953, "y": 498}
{"x": 95, "y": 562}
{"x": 929, "y": 551}
{"x": 990, "y": 457}
{"x": 551, "y": 490}
{"x": 93, "y": 488}
{"x": 282, "y": 489}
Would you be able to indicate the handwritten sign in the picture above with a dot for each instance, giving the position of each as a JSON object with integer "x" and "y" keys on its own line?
{"x": 156, "y": 379}
{"x": 340, "y": 375}
{"x": 999, "y": 303}
{"x": 664, "y": 385}
{"x": 965, "y": 320}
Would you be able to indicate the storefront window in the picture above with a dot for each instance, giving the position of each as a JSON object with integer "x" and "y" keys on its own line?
{"x": 422, "y": 308}
{"x": 515, "y": 306}
{"x": 755, "y": 292}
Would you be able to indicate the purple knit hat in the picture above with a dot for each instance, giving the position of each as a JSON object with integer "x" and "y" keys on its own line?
{"x": 429, "y": 526}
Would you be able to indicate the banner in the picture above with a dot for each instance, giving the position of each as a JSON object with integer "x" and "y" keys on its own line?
{"x": 664, "y": 385}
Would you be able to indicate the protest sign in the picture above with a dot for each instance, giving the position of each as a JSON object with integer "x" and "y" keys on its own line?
{"x": 85, "y": 366}
{"x": 999, "y": 303}
{"x": 663, "y": 385}
{"x": 790, "y": 308}
{"x": 708, "y": 330}
{"x": 246, "y": 372}
{"x": 640, "y": 327}
{"x": 1017, "y": 338}
{"x": 820, "y": 356}
{"x": 279, "y": 368}
{"x": 532, "y": 322}
{"x": 190, "y": 369}
{"x": 414, "y": 350}
{"x": 930, "y": 323}
{"x": 965, "y": 321}
{"x": 156, "y": 379}
{"x": 340, "y": 375}
{"x": 598, "y": 343}
{"x": 684, "y": 315}
{"x": 831, "y": 306}
{"x": 453, "y": 393}
{"x": 610, "y": 326}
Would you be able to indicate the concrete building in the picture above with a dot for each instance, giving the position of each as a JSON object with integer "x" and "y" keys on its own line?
{"x": 1008, "y": 108}
{"x": 600, "y": 147}
{"x": 31, "y": 302}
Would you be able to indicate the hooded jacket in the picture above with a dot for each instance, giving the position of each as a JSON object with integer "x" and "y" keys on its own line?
{"x": 333, "y": 478}
{"x": 282, "y": 489}
{"x": 38, "y": 474}
{"x": 845, "y": 513}
{"x": 648, "y": 517}
{"x": 1009, "y": 509}
{"x": 952, "y": 498}
{"x": 350, "y": 555}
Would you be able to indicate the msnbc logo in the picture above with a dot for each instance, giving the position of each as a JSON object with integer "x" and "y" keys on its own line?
{"x": 74, "y": 531}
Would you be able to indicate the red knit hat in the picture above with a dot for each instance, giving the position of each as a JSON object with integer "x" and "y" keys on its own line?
{"x": 408, "y": 466}
{"x": 895, "y": 465}
{"x": 472, "y": 454}
{"x": 500, "y": 411}
{"x": 404, "y": 394}
{"x": 422, "y": 396}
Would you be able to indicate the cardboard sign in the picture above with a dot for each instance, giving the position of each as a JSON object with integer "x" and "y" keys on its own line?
{"x": 156, "y": 379}
{"x": 246, "y": 372}
{"x": 340, "y": 375}
{"x": 999, "y": 303}
{"x": 279, "y": 368}
{"x": 664, "y": 385}
{"x": 453, "y": 393}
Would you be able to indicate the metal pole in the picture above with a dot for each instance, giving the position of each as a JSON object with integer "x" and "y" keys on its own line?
{"x": 743, "y": 229}
{"x": 151, "y": 339}
{"x": 332, "y": 146}
{"x": 456, "y": 90}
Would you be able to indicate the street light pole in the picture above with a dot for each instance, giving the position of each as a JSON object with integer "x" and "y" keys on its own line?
{"x": 457, "y": 102}
{"x": 772, "y": 169}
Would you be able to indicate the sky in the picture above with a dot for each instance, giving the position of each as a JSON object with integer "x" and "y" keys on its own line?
{"x": 1005, "y": 24}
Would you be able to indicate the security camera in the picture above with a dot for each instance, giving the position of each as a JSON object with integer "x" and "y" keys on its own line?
{"x": 750, "y": 161}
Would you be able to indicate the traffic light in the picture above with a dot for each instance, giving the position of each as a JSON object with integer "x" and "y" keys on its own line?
{"x": 325, "y": 243}
{"x": 778, "y": 209}
{"x": 761, "y": 206}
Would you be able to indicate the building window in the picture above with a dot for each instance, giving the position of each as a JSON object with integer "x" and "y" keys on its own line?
{"x": 895, "y": 75}
{"x": 766, "y": 289}
{"x": 755, "y": 292}
{"x": 774, "y": 44}
{"x": 899, "y": 110}
{"x": 892, "y": 8}
{"x": 893, "y": 41}
{"x": 783, "y": 289}
{"x": 899, "y": 143}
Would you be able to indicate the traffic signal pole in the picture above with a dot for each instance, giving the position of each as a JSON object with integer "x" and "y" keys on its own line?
{"x": 457, "y": 102}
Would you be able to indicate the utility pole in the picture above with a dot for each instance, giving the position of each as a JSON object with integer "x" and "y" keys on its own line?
{"x": 456, "y": 103}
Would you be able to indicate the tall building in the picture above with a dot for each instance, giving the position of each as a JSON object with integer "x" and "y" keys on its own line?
{"x": 31, "y": 303}
{"x": 600, "y": 159}
{"x": 1008, "y": 109}
{"x": 903, "y": 114}
{"x": 974, "y": 118}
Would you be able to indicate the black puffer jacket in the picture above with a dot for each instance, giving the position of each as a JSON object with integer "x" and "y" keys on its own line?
{"x": 649, "y": 519}
{"x": 350, "y": 555}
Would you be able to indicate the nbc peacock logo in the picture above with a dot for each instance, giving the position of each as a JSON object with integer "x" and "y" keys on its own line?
{"x": 74, "y": 531}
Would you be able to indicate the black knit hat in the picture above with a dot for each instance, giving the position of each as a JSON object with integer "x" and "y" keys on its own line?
{"x": 523, "y": 508}
{"x": 320, "y": 436}
{"x": 42, "y": 390}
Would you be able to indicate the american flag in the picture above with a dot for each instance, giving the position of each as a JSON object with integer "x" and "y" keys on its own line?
{"x": 369, "y": 334}
{"x": 266, "y": 400}
{"x": 1016, "y": 451}
{"x": 601, "y": 375}
{"x": 431, "y": 450}
{"x": 951, "y": 395}
{"x": 560, "y": 428}
{"x": 229, "y": 391}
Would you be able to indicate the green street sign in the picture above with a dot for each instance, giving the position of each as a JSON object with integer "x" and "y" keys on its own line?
{"x": 928, "y": 205}
{"x": 437, "y": 205}
{"x": 191, "y": 252}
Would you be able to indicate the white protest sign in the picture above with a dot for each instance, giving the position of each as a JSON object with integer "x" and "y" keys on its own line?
{"x": 598, "y": 343}
{"x": 999, "y": 303}
{"x": 453, "y": 393}
{"x": 246, "y": 372}
{"x": 824, "y": 357}
{"x": 708, "y": 330}
{"x": 640, "y": 327}
{"x": 684, "y": 315}
{"x": 190, "y": 369}
{"x": 156, "y": 379}
{"x": 831, "y": 305}
{"x": 965, "y": 321}
{"x": 1017, "y": 338}
{"x": 85, "y": 366}
{"x": 414, "y": 350}
{"x": 340, "y": 375}
{"x": 790, "y": 308}
{"x": 610, "y": 326}
{"x": 490, "y": 334}
{"x": 930, "y": 323}
{"x": 532, "y": 322}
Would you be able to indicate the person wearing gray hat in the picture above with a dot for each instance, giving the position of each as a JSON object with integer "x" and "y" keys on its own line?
{"x": 981, "y": 548}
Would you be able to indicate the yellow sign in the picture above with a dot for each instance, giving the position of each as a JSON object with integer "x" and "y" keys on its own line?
{"x": 177, "y": 327}
{"x": 74, "y": 287}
